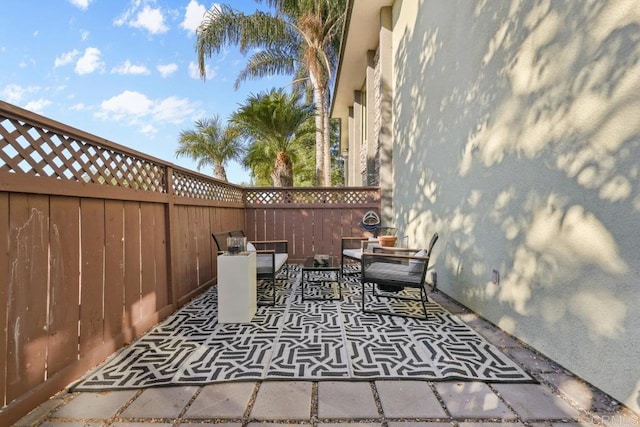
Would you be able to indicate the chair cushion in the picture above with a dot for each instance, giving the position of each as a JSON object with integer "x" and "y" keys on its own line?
{"x": 263, "y": 263}
{"x": 353, "y": 253}
{"x": 397, "y": 274}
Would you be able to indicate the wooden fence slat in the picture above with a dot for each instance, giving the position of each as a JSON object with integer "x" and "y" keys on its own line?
{"x": 147, "y": 234}
{"x": 4, "y": 285}
{"x": 92, "y": 273}
{"x": 64, "y": 311}
{"x": 132, "y": 267}
{"x": 28, "y": 293}
{"x": 114, "y": 284}
{"x": 160, "y": 257}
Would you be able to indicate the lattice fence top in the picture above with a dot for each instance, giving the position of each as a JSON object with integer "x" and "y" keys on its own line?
{"x": 188, "y": 185}
{"x": 34, "y": 150}
{"x": 310, "y": 196}
{"x": 32, "y": 145}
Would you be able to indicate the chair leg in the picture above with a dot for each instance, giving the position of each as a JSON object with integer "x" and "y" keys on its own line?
{"x": 422, "y": 298}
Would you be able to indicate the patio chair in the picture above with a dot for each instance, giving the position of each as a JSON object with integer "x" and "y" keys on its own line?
{"x": 271, "y": 258}
{"x": 352, "y": 248}
{"x": 395, "y": 269}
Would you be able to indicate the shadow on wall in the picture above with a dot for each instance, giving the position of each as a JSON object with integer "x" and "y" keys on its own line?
{"x": 519, "y": 124}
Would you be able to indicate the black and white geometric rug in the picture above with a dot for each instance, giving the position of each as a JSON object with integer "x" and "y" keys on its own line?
{"x": 313, "y": 340}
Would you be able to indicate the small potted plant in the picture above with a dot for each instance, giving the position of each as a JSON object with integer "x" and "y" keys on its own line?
{"x": 387, "y": 236}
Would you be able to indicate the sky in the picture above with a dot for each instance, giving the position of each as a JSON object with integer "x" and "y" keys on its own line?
{"x": 124, "y": 70}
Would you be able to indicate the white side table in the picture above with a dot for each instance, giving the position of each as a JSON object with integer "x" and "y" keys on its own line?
{"x": 236, "y": 288}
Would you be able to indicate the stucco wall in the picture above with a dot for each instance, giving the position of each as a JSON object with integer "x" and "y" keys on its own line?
{"x": 519, "y": 122}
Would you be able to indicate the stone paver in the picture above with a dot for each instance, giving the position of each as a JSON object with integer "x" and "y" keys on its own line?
{"x": 350, "y": 425}
{"x": 409, "y": 399}
{"x": 141, "y": 424}
{"x": 95, "y": 405}
{"x": 472, "y": 400}
{"x": 535, "y": 401}
{"x": 70, "y": 424}
{"x": 213, "y": 425}
{"x": 340, "y": 399}
{"x": 225, "y": 400}
{"x": 489, "y": 424}
{"x": 418, "y": 424}
{"x": 162, "y": 402}
{"x": 283, "y": 400}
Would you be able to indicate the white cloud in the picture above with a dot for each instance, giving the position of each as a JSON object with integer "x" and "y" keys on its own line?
{"x": 166, "y": 70}
{"x": 38, "y": 105}
{"x": 82, "y": 4}
{"x": 79, "y": 107}
{"x": 129, "y": 104}
{"x": 193, "y": 15}
{"x": 135, "y": 107}
{"x": 194, "y": 72}
{"x": 173, "y": 109}
{"x": 89, "y": 61}
{"x": 13, "y": 93}
{"x": 149, "y": 130}
{"x": 65, "y": 58}
{"x": 84, "y": 35}
{"x": 148, "y": 18}
{"x": 128, "y": 68}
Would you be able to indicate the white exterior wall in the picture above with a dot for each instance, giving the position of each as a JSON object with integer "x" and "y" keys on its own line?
{"x": 518, "y": 122}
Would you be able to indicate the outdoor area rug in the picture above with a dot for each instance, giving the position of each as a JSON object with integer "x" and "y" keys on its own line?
{"x": 312, "y": 340}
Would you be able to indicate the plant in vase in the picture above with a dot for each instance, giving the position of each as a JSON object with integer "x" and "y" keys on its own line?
{"x": 387, "y": 236}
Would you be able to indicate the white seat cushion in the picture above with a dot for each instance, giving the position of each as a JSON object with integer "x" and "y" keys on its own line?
{"x": 263, "y": 263}
{"x": 353, "y": 253}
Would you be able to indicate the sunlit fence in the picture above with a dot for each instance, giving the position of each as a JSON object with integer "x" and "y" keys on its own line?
{"x": 98, "y": 243}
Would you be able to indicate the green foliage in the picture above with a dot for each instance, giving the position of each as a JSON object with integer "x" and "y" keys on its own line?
{"x": 301, "y": 39}
{"x": 275, "y": 125}
{"x": 211, "y": 144}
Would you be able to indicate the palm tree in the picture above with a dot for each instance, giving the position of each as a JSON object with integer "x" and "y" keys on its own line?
{"x": 211, "y": 143}
{"x": 301, "y": 39}
{"x": 273, "y": 123}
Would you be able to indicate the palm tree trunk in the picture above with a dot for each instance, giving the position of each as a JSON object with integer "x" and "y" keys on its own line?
{"x": 318, "y": 101}
{"x": 219, "y": 172}
{"x": 282, "y": 174}
{"x": 326, "y": 143}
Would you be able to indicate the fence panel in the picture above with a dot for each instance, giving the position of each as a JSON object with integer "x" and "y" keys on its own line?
{"x": 311, "y": 219}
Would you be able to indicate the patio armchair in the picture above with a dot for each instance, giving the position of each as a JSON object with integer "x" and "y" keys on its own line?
{"x": 351, "y": 252}
{"x": 271, "y": 258}
{"x": 352, "y": 248}
{"x": 393, "y": 270}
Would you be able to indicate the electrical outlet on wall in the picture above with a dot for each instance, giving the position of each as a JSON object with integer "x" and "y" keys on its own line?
{"x": 495, "y": 277}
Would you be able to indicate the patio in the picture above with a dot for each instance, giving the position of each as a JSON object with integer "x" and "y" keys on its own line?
{"x": 557, "y": 397}
{"x": 136, "y": 251}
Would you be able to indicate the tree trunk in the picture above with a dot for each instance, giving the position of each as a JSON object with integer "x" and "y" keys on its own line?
{"x": 282, "y": 174}
{"x": 219, "y": 172}
{"x": 318, "y": 102}
{"x": 326, "y": 143}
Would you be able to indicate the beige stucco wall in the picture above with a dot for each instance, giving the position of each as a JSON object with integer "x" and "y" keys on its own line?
{"x": 519, "y": 124}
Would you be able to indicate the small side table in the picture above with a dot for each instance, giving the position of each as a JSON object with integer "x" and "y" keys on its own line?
{"x": 236, "y": 288}
{"x": 331, "y": 268}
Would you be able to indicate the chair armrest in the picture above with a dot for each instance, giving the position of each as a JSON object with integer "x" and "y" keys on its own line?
{"x": 394, "y": 250}
{"x": 351, "y": 242}
{"x": 277, "y": 246}
{"x": 391, "y": 257}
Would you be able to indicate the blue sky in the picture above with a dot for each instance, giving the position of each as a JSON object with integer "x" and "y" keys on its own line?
{"x": 124, "y": 70}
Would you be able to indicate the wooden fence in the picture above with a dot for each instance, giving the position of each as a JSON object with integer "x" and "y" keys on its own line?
{"x": 98, "y": 243}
